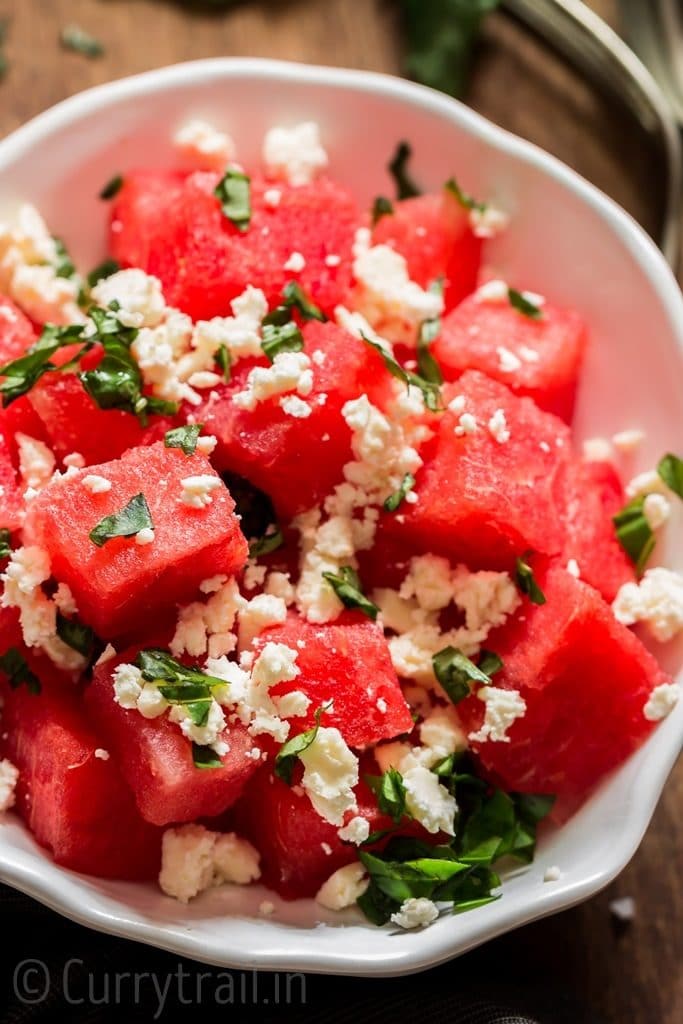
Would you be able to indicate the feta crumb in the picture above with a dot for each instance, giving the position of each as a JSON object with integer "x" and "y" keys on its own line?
{"x": 624, "y": 908}
{"x": 235, "y": 860}
{"x": 428, "y": 801}
{"x": 65, "y": 600}
{"x": 294, "y": 154}
{"x": 278, "y": 584}
{"x": 144, "y": 536}
{"x": 272, "y": 197}
{"x": 416, "y": 913}
{"x": 573, "y": 569}
{"x": 254, "y": 575}
{"x": 96, "y": 484}
{"x": 36, "y": 461}
{"x": 196, "y": 490}
{"x": 74, "y": 459}
{"x": 344, "y": 887}
{"x": 493, "y": 291}
{"x": 256, "y": 615}
{"x": 487, "y": 221}
{"x": 330, "y": 774}
{"x": 295, "y": 406}
{"x": 662, "y": 701}
{"x": 101, "y": 755}
{"x": 508, "y": 362}
{"x": 325, "y": 847}
{"x": 457, "y": 404}
{"x": 503, "y": 708}
{"x": 204, "y": 146}
{"x": 194, "y": 859}
{"x": 529, "y": 355}
{"x": 211, "y": 585}
{"x": 626, "y": 441}
{"x": 292, "y": 705}
{"x": 290, "y": 371}
{"x": 498, "y": 427}
{"x": 597, "y": 449}
{"x": 206, "y": 445}
{"x": 9, "y": 776}
{"x": 552, "y": 874}
{"x": 139, "y": 295}
{"x": 266, "y": 908}
{"x": 296, "y": 262}
{"x": 657, "y": 510}
{"x": 356, "y": 831}
{"x": 467, "y": 424}
{"x": 657, "y": 601}
{"x": 332, "y": 260}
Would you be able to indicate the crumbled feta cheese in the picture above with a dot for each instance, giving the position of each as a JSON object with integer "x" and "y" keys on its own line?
{"x": 254, "y": 575}
{"x": 211, "y": 585}
{"x": 278, "y": 584}
{"x": 597, "y": 449}
{"x": 486, "y": 597}
{"x": 573, "y": 569}
{"x": 356, "y": 831}
{"x": 292, "y": 705}
{"x": 657, "y": 601}
{"x": 626, "y": 441}
{"x": 387, "y": 296}
{"x": 344, "y": 887}
{"x": 503, "y": 708}
{"x": 467, "y": 424}
{"x": 294, "y": 154}
{"x": 428, "y": 801}
{"x": 36, "y": 461}
{"x": 194, "y": 859}
{"x": 204, "y": 146}
{"x": 96, "y": 484}
{"x": 9, "y": 776}
{"x": 332, "y": 260}
{"x": 290, "y": 371}
{"x": 657, "y": 510}
{"x": 207, "y": 735}
{"x": 144, "y": 536}
{"x": 204, "y": 379}
{"x": 442, "y": 733}
{"x": 552, "y": 874}
{"x": 416, "y": 913}
{"x": 272, "y": 197}
{"x": 139, "y": 295}
{"x": 492, "y": 291}
{"x": 457, "y": 404}
{"x": 649, "y": 482}
{"x": 256, "y": 615}
{"x": 266, "y": 907}
{"x": 196, "y": 490}
{"x": 127, "y": 686}
{"x": 498, "y": 427}
{"x": 248, "y": 693}
{"x": 295, "y": 406}
{"x": 64, "y": 599}
{"x": 429, "y": 581}
{"x": 624, "y": 909}
{"x": 487, "y": 221}
{"x": 662, "y": 701}
{"x": 101, "y": 754}
{"x": 529, "y": 355}
{"x": 74, "y": 459}
{"x": 508, "y": 362}
{"x": 206, "y": 445}
{"x": 330, "y": 774}
{"x": 296, "y": 262}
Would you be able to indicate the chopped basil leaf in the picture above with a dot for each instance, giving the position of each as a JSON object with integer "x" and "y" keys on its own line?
{"x": 75, "y": 635}
{"x": 381, "y": 208}
{"x": 526, "y": 581}
{"x": 289, "y": 751}
{"x": 395, "y": 499}
{"x": 5, "y": 543}
{"x": 398, "y": 169}
{"x": 467, "y": 201}
{"x": 670, "y": 469}
{"x": 234, "y": 193}
{"x": 178, "y": 683}
{"x": 135, "y": 516}
{"x": 13, "y": 664}
{"x": 346, "y": 586}
{"x": 112, "y": 188}
{"x": 223, "y": 361}
{"x": 296, "y": 298}
{"x": 72, "y": 37}
{"x": 270, "y": 541}
{"x": 457, "y": 674}
{"x": 489, "y": 663}
{"x": 64, "y": 266}
{"x": 205, "y": 757}
{"x": 519, "y": 302}
{"x": 634, "y": 532}
{"x": 284, "y": 338}
{"x": 185, "y": 437}
{"x": 104, "y": 269}
{"x": 430, "y": 390}
{"x": 429, "y": 331}
{"x": 390, "y": 793}
{"x": 23, "y": 373}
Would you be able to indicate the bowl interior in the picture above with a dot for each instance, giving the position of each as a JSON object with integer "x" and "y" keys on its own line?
{"x": 566, "y": 242}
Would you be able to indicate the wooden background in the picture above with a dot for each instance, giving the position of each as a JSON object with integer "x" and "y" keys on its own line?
{"x": 623, "y": 975}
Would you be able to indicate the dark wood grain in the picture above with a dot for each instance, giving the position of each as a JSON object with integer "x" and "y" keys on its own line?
{"x": 632, "y": 976}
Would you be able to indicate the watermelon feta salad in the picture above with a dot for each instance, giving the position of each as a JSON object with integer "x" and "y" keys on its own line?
{"x": 304, "y": 578}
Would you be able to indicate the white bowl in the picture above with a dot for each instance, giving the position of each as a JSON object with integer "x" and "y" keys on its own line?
{"x": 567, "y": 241}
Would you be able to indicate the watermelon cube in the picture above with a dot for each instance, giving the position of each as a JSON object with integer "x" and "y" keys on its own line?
{"x": 593, "y": 496}
{"x": 349, "y": 663}
{"x": 11, "y": 500}
{"x": 276, "y": 451}
{"x": 117, "y": 585}
{"x": 433, "y": 233}
{"x": 156, "y": 758}
{"x": 491, "y": 491}
{"x": 70, "y": 792}
{"x": 539, "y": 358}
{"x": 585, "y": 679}
{"x": 180, "y": 235}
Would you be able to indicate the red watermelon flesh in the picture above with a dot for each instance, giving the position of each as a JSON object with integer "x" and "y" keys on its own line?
{"x": 156, "y": 758}
{"x": 16, "y": 331}
{"x": 585, "y": 679}
{"x": 347, "y": 662}
{"x": 11, "y": 501}
{"x": 593, "y": 495}
{"x": 75, "y": 803}
{"x": 118, "y": 585}
{"x": 204, "y": 261}
{"x": 276, "y": 451}
{"x": 433, "y": 233}
{"x": 481, "y": 501}
{"x": 549, "y": 351}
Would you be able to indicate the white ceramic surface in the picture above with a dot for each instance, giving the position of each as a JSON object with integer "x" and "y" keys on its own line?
{"x": 568, "y": 242}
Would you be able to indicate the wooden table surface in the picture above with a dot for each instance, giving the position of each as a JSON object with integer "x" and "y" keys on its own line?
{"x": 631, "y": 975}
